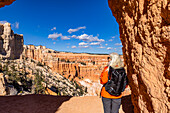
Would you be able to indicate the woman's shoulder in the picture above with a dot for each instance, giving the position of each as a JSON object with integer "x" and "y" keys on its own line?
{"x": 105, "y": 67}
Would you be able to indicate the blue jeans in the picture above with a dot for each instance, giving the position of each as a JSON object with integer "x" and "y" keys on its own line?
{"x": 111, "y": 105}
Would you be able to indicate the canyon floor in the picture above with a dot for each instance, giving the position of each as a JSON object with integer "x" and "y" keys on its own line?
{"x": 57, "y": 104}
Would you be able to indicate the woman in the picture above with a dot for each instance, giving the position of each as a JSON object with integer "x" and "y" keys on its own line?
{"x": 111, "y": 104}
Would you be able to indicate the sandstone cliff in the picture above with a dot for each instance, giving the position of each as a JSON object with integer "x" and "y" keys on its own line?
{"x": 80, "y": 67}
{"x": 145, "y": 34}
{"x": 11, "y": 45}
{"x": 5, "y": 2}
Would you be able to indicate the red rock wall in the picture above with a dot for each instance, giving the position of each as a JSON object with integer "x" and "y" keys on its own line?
{"x": 144, "y": 27}
{"x": 5, "y": 2}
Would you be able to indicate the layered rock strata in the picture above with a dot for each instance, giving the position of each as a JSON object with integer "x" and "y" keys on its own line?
{"x": 83, "y": 68}
{"x": 145, "y": 34}
{"x": 11, "y": 45}
{"x": 70, "y": 65}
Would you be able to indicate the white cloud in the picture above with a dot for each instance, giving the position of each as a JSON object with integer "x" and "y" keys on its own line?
{"x": 89, "y": 38}
{"x": 95, "y": 43}
{"x": 54, "y": 36}
{"x": 73, "y": 47}
{"x": 54, "y": 28}
{"x": 119, "y": 49}
{"x": 54, "y": 42}
{"x": 111, "y": 40}
{"x": 3, "y": 22}
{"x": 101, "y": 47}
{"x": 106, "y": 44}
{"x": 16, "y": 25}
{"x": 65, "y": 38}
{"x": 109, "y": 48}
{"x": 67, "y": 46}
{"x": 118, "y": 44}
{"x": 74, "y": 36}
{"x": 82, "y": 43}
{"x": 113, "y": 37}
{"x": 77, "y": 29}
{"x": 83, "y": 46}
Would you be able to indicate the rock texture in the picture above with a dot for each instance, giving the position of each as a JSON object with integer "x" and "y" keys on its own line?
{"x": 27, "y": 76}
{"x": 5, "y": 2}
{"x": 145, "y": 34}
{"x": 11, "y": 45}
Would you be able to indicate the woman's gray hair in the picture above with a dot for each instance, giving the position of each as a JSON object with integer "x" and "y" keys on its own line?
{"x": 116, "y": 62}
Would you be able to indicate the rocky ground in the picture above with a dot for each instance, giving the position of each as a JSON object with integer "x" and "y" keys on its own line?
{"x": 27, "y": 76}
{"x": 57, "y": 104}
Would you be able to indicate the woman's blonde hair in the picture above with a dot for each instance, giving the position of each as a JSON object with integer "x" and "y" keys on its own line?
{"x": 116, "y": 62}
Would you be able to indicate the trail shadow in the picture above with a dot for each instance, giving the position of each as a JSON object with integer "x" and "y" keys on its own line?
{"x": 127, "y": 105}
{"x": 31, "y": 103}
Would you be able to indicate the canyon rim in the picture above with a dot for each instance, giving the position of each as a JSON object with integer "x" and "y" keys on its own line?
{"x": 145, "y": 34}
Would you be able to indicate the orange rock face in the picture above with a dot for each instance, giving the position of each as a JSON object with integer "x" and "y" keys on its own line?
{"x": 144, "y": 27}
{"x": 5, "y": 2}
{"x": 70, "y": 65}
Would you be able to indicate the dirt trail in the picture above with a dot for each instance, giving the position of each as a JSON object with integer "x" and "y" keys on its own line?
{"x": 91, "y": 104}
{"x": 57, "y": 104}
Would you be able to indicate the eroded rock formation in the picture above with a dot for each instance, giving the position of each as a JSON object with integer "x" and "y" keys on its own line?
{"x": 70, "y": 65}
{"x": 11, "y": 45}
{"x": 5, "y": 2}
{"x": 83, "y": 68}
{"x": 145, "y": 34}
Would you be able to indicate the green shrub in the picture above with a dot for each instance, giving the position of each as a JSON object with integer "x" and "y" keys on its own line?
{"x": 39, "y": 89}
{"x": 40, "y": 64}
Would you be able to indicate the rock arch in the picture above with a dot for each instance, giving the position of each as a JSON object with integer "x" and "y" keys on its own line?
{"x": 144, "y": 27}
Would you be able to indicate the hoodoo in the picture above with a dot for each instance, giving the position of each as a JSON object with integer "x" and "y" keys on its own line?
{"x": 11, "y": 45}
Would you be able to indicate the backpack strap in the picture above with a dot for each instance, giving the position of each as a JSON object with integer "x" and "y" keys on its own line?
{"x": 119, "y": 81}
{"x": 109, "y": 73}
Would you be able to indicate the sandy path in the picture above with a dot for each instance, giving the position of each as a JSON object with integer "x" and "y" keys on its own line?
{"x": 91, "y": 104}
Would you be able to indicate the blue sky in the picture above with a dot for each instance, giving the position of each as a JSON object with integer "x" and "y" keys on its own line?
{"x": 65, "y": 25}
